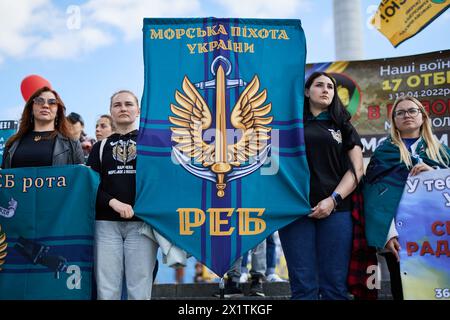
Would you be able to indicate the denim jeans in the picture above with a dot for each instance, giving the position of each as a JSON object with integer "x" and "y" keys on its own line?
{"x": 121, "y": 248}
{"x": 271, "y": 256}
{"x": 317, "y": 253}
{"x": 258, "y": 264}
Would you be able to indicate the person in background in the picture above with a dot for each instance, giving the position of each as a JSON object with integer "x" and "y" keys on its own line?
{"x": 43, "y": 138}
{"x": 77, "y": 131}
{"x": 233, "y": 286}
{"x": 409, "y": 150}
{"x": 104, "y": 127}
{"x": 270, "y": 259}
{"x": 318, "y": 247}
{"x": 76, "y": 125}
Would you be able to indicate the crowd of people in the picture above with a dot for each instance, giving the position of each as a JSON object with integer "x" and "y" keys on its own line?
{"x": 317, "y": 247}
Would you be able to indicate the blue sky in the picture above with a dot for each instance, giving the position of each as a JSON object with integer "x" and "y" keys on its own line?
{"x": 92, "y": 48}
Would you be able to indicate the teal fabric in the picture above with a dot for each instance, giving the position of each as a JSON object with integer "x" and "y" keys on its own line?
{"x": 49, "y": 232}
{"x": 325, "y": 115}
{"x": 164, "y": 186}
{"x": 7, "y": 129}
{"x": 383, "y": 188}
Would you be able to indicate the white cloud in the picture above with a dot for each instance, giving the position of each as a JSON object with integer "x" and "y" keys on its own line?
{"x": 127, "y": 15}
{"x": 72, "y": 44}
{"x": 17, "y": 22}
{"x": 264, "y": 8}
{"x": 41, "y": 28}
{"x": 36, "y": 28}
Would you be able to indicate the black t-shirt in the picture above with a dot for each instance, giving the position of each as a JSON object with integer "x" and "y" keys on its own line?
{"x": 34, "y": 150}
{"x": 326, "y": 151}
{"x": 117, "y": 173}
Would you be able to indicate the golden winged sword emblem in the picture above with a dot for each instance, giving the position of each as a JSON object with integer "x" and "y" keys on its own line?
{"x": 221, "y": 161}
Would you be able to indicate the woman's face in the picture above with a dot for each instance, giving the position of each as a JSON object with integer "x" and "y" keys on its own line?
{"x": 45, "y": 107}
{"x": 321, "y": 92}
{"x": 103, "y": 129}
{"x": 408, "y": 118}
{"x": 124, "y": 109}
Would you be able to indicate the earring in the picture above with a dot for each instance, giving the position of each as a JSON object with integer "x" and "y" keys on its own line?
{"x": 56, "y": 121}
{"x": 32, "y": 118}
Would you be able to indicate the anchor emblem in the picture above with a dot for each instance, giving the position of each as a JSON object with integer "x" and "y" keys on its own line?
{"x": 221, "y": 162}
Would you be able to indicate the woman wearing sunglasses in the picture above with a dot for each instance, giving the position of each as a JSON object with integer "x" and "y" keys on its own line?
{"x": 43, "y": 136}
{"x": 410, "y": 149}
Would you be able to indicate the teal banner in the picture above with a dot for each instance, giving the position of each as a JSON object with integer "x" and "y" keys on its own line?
{"x": 47, "y": 230}
{"x": 423, "y": 226}
{"x": 7, "y": 129}
{"x": 222, "y": 160}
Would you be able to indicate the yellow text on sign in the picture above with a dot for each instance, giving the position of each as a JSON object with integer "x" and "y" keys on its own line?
{"x": 249, "y": 223}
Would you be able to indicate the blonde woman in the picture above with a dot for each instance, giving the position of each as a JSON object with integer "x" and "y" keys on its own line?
{"x": 410, "y": 149}
{"x": 121, "y": 249}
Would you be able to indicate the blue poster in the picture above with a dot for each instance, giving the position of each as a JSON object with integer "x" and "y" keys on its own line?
{"x": 47, "y": 231}
{"x": 222, "y": 160}
{"x": 423, "y": 224}
{"x": 7, "y": 129}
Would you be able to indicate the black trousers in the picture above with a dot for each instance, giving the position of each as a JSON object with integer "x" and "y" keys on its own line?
{"x": 394, "y": 272}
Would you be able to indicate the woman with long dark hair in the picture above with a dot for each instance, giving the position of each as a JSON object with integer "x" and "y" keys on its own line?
{"x": 43, "y": 138}
{"x": 318, "y": 247}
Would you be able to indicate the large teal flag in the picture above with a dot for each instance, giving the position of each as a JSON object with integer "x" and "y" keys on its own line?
{"x": 222, "y": 160}
{"x": 7, "y": 129}
{"x": 46, "y": 239}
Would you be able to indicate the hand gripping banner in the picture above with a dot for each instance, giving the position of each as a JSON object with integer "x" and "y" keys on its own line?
{"x": 222, "y": 161}
{"x": 7, "y": 129}
{"x": 47, "y": 232}
{"x": 423, "y": 226}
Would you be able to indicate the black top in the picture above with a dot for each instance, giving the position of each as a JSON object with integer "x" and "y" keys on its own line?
{"x": 326, "y": 150}
{"x": 35, "y": 150}
{"x": 117, "y": 173}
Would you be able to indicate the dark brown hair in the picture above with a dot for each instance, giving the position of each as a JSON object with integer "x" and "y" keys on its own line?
{"x": 26, "y": 123}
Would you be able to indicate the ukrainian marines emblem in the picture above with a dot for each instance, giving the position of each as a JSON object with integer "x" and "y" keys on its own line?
{"x": 336, "y": 135}
{"x": 124, "y": 152}
{"x": 221, "y": 161}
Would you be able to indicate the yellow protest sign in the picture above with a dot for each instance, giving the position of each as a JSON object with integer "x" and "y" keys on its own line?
{"x": 399, "y": 20}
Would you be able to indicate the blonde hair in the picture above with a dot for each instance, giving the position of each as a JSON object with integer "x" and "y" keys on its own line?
{"x": 434, "y": 150}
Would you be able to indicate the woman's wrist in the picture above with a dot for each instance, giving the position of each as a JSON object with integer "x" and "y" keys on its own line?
{"x": 337, "y": 199}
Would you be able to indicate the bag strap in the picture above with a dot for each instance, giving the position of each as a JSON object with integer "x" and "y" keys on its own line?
{"x": 102, "y": 146}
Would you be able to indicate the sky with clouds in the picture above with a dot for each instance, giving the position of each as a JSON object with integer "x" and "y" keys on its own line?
{"x": 90, "y": 49}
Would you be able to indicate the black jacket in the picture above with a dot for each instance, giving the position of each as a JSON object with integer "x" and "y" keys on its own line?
{"x": 117, "y": 170}
{"x": 65, "y": 151}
